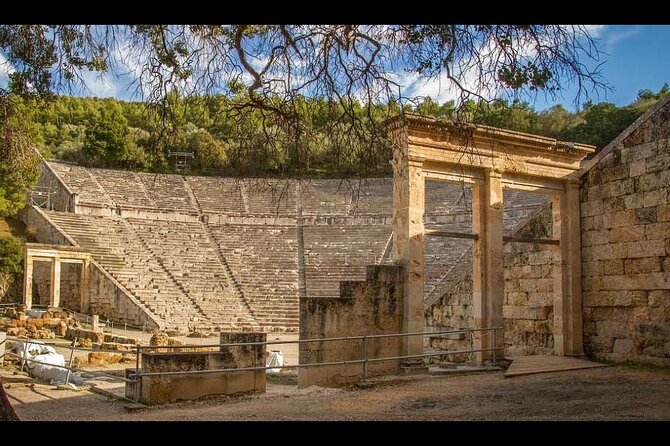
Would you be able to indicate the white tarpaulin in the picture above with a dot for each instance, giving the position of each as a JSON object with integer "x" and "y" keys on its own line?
{"x": 46, "y": 358}
{"x": 275, "y": 359}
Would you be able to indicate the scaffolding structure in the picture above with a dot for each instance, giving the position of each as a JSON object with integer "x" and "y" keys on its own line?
{"x": 181, "y": 160}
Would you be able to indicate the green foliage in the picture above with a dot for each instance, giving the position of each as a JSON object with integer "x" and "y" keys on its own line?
{"x": 11, "y": 255}
{"x": 19, "y": 167}
{"x": 112, "y": 133}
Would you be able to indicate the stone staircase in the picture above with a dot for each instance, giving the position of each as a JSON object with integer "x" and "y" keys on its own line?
{"x": 124, "y": 257}
{"x": 264, "y": 261}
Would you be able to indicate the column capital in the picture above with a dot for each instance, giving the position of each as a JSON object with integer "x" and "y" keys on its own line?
{"x": 494, "y": 172}
{"x": 572, "y": 184}
{"x": 415, "y": 161}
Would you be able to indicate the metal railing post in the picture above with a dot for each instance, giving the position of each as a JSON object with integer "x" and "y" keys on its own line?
{"x": 137, "y": 361}
{"x": 136, "y": 378}
{"x": 364, "y": 357}
{"x": 25, "y": 352}
{"x": 495, "y": 351}
{"x": 69, "y": 365}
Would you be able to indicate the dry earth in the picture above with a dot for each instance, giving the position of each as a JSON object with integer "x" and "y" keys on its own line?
{"x": 611, "y": 393}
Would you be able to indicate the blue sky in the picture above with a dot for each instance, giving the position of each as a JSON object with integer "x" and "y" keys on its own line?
{"x": 635, "y": 57}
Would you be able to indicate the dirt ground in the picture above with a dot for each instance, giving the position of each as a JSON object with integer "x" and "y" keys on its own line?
{"x": 610, "y": 393}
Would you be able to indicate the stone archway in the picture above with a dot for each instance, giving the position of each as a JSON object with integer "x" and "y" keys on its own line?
{"x": 489, "y": 159}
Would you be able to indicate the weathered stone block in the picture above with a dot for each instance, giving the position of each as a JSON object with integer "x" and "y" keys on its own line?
{"x": 615, "y": 172}
{"x": 657, "y": 231}
{"x": 663, "y": 212}
{"x": 648, "y": 182}
{"x": 637, "y": 168}
{"x": 612, "y": 267}
{"x": 658, "y": 163}
{"x": 626, "y": 234}
{"x": 645, "y": 248}
{"x": 592, "y": 283}
{"x": 592, "y": 268}
{"x": 598, "y": 237}
{"x": 533, "y": 313}
{"x": 642, "y": 265}
{"x": 645, "y": 216}
{"x": 648, "y": 281}
{"x": 659, "y": 298}
{"x": 655, "y": 197}
{"x": 614, "y": 203}
{"x": 540, "y": 299}
{"x": 614, "y": 329}
{"x": 587, "y": 224}
{"x": 591, "y": 208}
{"x": 616, "y": 219}
{"x": 516, "y": 298}
{"x": 634, "y": 201}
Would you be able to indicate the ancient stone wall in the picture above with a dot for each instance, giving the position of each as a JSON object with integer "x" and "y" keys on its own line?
{"x": 108, "y": 299}
{"x": 41, "y": 283}
{"x": 165, "y": 389}
{"x": 625, "y": 217}
{"x": 528, "y": 304}
{"x": 44, "y": 230}
{"x": 70, "y": 286}
{"x": 528, "y": 309}
{"x": 371, "y": 307}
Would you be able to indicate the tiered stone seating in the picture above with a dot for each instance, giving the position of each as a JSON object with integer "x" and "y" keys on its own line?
{"x": 325, "y": 197}
{"x": 447, "y": 198}
{"x": 80, "y": 182}
{"x": 264, "y": 261}
{"x": 334, "y": 253}
{"x": 167, "y": 191}
{"x": 122, "y": 254}
{"x": 374, "y": 197}
{"x": 179, "y": 270}
{"x": 184, "y": 249}
{"x": 270, "y": 197}
{"x": 122, "y": 187}
{"x": 219, "y": 195}
{"x": 519, "y": 207}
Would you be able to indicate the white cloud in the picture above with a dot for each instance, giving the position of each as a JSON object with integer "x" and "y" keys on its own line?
{"x": 5, "y": 70}
{"x": 616, "y": 34}
{"x": 595, "y": 30}
{"x": 100, "y": 85}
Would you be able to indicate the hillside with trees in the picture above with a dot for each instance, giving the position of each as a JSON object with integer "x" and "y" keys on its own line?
{"x": 113, "y": 133}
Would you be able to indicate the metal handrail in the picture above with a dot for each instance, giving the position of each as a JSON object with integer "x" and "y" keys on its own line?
{"x": 364, "y": 360}
{"x": 133, "y": 377}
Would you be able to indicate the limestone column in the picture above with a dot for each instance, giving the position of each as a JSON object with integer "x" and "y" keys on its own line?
{"x": 568, "y": 332}
{"x": 74, "y": 206}
{"x": 408, "y": 247}
{"x": 27, "y": 279}
{"x": 488, "y": 286}
{"x": 54, "y": 298}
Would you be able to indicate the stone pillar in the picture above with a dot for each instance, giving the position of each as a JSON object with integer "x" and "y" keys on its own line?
{"x": 95, "y": 322}
{"x": 54, "y": 298}
{"x": 488, "y": 286}
{"x": 84, "y": 301}
{"x": 27, "y": 280}
{"x": 568, "y": 332}
{"x": 74, "y": 206}
{"x": 408, "y": 248}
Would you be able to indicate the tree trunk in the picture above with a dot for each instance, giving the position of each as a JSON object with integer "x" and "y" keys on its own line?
{"x": 6, "y": 410}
